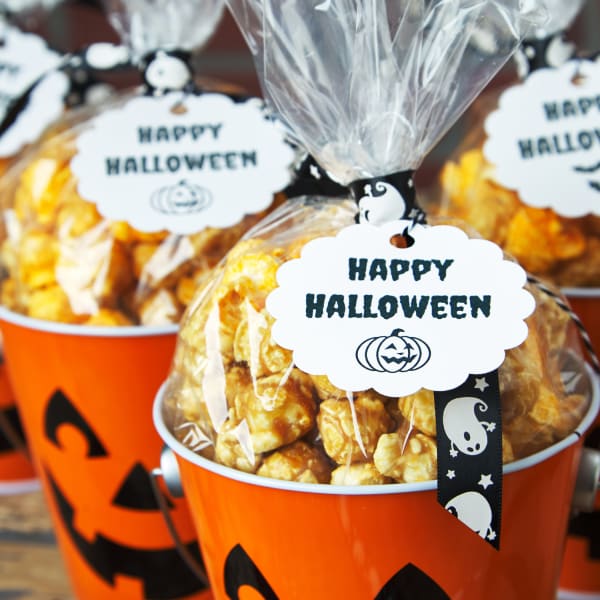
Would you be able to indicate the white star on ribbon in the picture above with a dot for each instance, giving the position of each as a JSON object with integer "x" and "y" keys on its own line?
{"x": 485, "y": 481}
{"x": 481, "y": 384}
{"x": 451, "y": 474}
{"x": 491, "y": 536}
{"x": 453, "y": 453}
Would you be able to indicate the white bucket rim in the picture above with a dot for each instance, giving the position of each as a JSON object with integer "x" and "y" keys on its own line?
{"x": 19, "y": 486}
{"x": 591, "y": 292}
{"x": 99, "y": 331}
{"x": 362, "y": 490}
{"x": 565, "y": 594}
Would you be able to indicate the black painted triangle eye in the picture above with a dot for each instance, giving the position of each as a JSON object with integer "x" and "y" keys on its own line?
{"x": 60, "y": 411}
{"x": 240, "y": 570}
{"x": 136, "y": 491}
{"x": 410, "y": 583}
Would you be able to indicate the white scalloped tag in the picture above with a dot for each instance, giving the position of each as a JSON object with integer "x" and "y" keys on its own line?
{"x": 544, "y": 139}
{"x": 158, "y": 167}
{"x": 370, "y": 315}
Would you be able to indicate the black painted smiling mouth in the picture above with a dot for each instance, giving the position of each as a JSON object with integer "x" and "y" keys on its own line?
{"x": 163, "y": 573}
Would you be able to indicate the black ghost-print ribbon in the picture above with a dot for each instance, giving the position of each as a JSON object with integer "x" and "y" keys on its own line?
{"x": 85, "y": 68}
{"x": 83, "y": 75}
{"x": 549, "y": 52}
{"x": 166, "y": 71}
{"x": 469, "y": 454}
{"x": 312, "y": 180}
{"x": 388, "y": 198}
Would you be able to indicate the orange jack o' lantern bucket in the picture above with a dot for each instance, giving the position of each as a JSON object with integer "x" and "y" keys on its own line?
{"x": 17, "y": 475}
{"x": 85, "y": 398}
{"x": 580, "y": 576}
{"x": 293, "y": 541}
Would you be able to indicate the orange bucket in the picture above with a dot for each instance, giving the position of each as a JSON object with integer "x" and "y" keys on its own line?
{"x": 580, "y": 577}
{"x": 17, "y": 475}
{"x": 85, "y": 398}
{"x": 294, "y": 541}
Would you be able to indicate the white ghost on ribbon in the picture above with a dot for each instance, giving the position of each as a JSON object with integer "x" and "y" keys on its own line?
{"x": 472, "y": 509}
{"x": 382, "y": 204}
{"x": 464, "y": 430}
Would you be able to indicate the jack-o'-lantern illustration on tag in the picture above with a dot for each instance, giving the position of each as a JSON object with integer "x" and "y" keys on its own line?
{"x": 393, "y": 353}
{"x": 182, "y": 198}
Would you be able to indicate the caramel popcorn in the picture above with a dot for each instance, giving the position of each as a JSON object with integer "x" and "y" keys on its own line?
{"x": 65, "y": 262}
{"x": 252, "y": 409}
{"x": 297, "y": 462}
{"x": 563, "y": 251}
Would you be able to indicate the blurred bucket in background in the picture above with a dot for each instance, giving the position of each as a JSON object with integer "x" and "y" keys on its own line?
{"x": 580, "y": 576}
{"x": 85, "y": 397}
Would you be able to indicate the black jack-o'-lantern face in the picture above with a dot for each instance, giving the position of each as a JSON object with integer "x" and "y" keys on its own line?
{"x": 409, "y": 583}
{"x": 162, "y": 572}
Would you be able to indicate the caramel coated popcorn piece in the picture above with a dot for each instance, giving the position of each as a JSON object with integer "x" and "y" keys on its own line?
{"x": 358, "y": 474}
{"x": 538, "y": 238}
{"x": 251, "y": 276}
{"x": 76, "y": 217}
{"x": 160, "y": 308}
{"x": 254, "y": 346}
{"x": 279, "y": 409}
{"x": 351, "y": 428}
{"x": 406, "y": 458}
{"x": 106, "y": 317}
{"x": 52, "y": 304}
{"x": 38, "y": 252}
{"x": 297, "y": 462}
{"x": 234, "y": 447}
{"x": 471, "y": 191}
{"x": 419, "y": 410}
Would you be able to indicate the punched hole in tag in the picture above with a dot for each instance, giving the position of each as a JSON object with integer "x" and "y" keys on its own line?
{"x": 402, "y": 240}
{"x": 179, "y": 108}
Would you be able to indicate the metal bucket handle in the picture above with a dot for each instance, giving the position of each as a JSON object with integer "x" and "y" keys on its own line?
{"x": 169, "y": 472}
{"x": 588, "y": 481}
